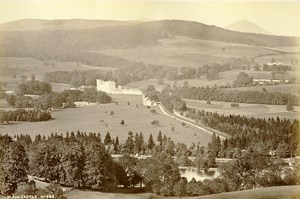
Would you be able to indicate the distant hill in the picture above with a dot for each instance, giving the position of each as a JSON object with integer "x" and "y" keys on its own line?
{"x": 60, "y": 24}
{"x": 69, "y": 42}
{"x": 96, "y": 34}
{"x": 247, "y": 26}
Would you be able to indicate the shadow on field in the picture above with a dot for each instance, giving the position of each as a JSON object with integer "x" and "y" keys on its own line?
{"x": 11, "y": 123}
{"x": 135, "y": 190}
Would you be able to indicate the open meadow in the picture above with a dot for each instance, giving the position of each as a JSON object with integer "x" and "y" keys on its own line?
{"x": 249, "y": 110}
{"x": 98, "y": 119}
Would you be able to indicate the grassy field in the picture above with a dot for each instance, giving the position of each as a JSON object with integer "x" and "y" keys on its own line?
{"x": 286, "y": 88}
{"x": 283, "y": 58}
{"x": 226, "y": 78}
{"x": 90, "y": 118}
{"x": 249, "y": 110}
{"x": 281, "y": 192}
{"x": 182, "y": 51}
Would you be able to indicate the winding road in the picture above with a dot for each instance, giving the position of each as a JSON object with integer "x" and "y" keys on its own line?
{"x": 191, "y": 122}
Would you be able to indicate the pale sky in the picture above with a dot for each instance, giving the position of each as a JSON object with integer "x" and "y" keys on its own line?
{"x": 277, "y": 17}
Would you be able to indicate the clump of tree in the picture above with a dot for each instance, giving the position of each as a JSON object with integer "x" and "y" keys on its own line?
{"x": 243, "y": 79}
{"x": 154, "y": 122}
{"x": 234, "y": 105}
{"x": 212, "y": 74}
{"x": 34, "y": 87}
{"x": 153, "y": 111}
{"x": 78, "y": 161}
{"x": 24, "y": 115}
{"x": 289, "y": 106}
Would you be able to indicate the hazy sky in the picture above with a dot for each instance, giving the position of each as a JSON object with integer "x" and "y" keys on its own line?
{"x": 278, "y": 17}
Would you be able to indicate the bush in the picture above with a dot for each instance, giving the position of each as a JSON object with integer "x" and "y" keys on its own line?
{"x": 152, "y": 111}
{"x": 155, "y": 122}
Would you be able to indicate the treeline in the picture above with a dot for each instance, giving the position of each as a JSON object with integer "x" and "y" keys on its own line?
{"x": 77, "y": 78}
{"x": 64, "y": 99}
{"x": 34, "y": 88}
{"x": 134, "y": 71}
{"x": 275, "y": 68}
{"x": 265, "y": 135}
{"x": 254, "y": 97}
{"x": 24, "y": 115}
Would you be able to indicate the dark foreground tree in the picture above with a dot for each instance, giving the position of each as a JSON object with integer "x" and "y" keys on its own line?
{"x": 13, "y": 168}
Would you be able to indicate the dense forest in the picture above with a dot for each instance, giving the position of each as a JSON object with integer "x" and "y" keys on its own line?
{"x": 84, "y": 161}
{"x": 266, "y": 135}
{"x": 255, "y": 97}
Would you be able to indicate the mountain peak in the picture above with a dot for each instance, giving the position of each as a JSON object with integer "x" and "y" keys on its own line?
{"x": 247, "y": 26}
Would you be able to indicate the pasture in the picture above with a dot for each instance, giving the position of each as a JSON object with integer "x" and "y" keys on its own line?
{"x": 98, "y": 119}
{"x": 184, "y": 51}
{"x": 248, "y": 110}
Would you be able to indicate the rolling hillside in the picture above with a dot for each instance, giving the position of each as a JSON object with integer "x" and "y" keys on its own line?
{"x": 60, "y": 24}
{"x": 128, "y": 36}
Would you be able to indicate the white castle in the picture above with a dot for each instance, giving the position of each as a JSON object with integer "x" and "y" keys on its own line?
{"x": 110, "y": 87}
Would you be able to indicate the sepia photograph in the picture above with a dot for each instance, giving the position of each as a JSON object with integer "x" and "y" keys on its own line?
{"x": 149, "y": 99}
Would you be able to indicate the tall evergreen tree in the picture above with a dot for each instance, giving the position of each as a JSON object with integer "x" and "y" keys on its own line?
{"x": 159, "y": 137}
{"x": 151, "y": 143}
{"x": 107, "y": 139}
